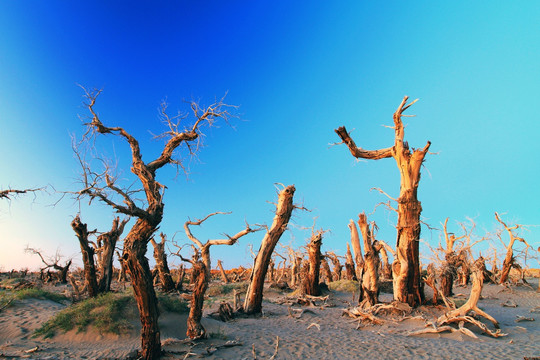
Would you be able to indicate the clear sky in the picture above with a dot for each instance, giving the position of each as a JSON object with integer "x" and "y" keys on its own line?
{"x": 297, "y": 72}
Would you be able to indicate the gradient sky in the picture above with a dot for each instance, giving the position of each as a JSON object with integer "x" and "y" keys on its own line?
{"x": 297, "y": 72}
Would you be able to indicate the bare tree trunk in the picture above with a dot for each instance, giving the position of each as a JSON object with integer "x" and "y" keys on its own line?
{"x": 311, "y": 280}
{"x": 63, "y": 271}
{"x": 122, "y": 274}
{"x": 106, "y": 245}
{"x": 357, "y": 249}
{"x": 180, "y": 281}
{"x": 88, "y": 252}
{"x": 326, "y": 270}
{"x": 165, "y": 278}
{"x": 509, "y": 258}
{"x": 284, "y": 208}
{"x": 349, "y": 265}
{"x": 407, "y": 276}
{"x": 135, "y": 247}
{"x": 201, "y": 275}
{"x": 370, "y": 274}
{"x": 386, "y": 267}
{"x": 271, "y": 271}
{"x": 336, "y": 264}
{"x": 222, "y": 272}
{"x": 295, "y": 270}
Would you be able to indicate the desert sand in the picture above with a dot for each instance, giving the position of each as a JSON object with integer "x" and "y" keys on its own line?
{"x": 321, "y": 333}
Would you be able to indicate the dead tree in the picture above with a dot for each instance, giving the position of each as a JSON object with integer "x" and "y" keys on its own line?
{"x": 357, "y": 249}
{"x": 509, "y": 258}
{"x": 165, "y": 278}
{"x": 449, "y": 267}
{"x": 350, "y": 271}
{"x": 148, "y": 211}
{"x": 223, "y": 273}
{"x": 106, "y": 243}
{"x": 310, "y": 284}
{"x": 90, "y": 278}
{"x": 284, "y": 208}
{"x": 369, "y": 293}
{"x": 327, "y": 274}
{"x": 54, "y": 263}
{"x": 122, "y": 274}
{"x": 335, "y": 264}
{"x": 388, "y": 267}
{"x": 201, "y": 272}
{"x": 407, "y": 280}
{"x": 460, "y": 314}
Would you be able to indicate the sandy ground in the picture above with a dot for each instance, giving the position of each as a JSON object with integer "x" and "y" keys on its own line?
{"x": 334, "y": 336}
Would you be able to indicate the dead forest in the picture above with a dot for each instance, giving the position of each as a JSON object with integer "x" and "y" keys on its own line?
{"x": 415, "y": 272}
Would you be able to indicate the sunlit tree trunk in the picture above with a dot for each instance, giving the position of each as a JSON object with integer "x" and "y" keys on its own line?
{"x": 407, "y": 279}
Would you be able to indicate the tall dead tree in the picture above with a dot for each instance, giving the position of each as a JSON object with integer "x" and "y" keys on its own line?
{"x": 201, "y": 272}
{"x": 310, "y": 284}
{"x": 284, "y": 208}
{"x": 165, "y": 278}
{"x": 148, "y": 212}
{"x": 369, "y": 294}
{"x": 357, "y": 249}
{"x": 407, "y": 281}
{"x": 88, "y": 252}
{"x": 509, "y": 258}
{"x": 223, "y": 273}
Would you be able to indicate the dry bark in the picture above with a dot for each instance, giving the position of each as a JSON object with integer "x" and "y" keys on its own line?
{"x": 102, "y": 186}
{"x": 90, "y": 278}
{"x": 386, "y": 266}
{"x": 311, "y": 279}
{"x": 357, "y": 249}
{"x": 350, "y": 271}
{"x": 370, "y": 273}
{"x": 327, "y": 274}
{"x": 509, "y": 258}
{"x": 284, "y": 208}
{"x": 335, "y": 264}
{"x": 165, "y": 278}
{"x": 106, "y": 243}
{"x": 407, "y": 277}
{"x": 200, "y": 272}
{"x": 222, "y": 272}
{"x": 460, "y": 314}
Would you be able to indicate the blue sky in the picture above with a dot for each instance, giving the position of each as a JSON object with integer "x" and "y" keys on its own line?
{"x": 297, "y": 72}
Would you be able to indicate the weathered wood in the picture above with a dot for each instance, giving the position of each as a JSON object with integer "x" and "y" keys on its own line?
{"x": 327, "y": 274}
{"x": 222, "y": 272}
{"x": 369, "y": 294}
{"x": 357, "y": 249}
{"x": 101, "y": 186}
{"x": 106, "y": 243}
{"x": 350, "y": 271}
{"x": 407, "y": 286}
{"x": 81, "y": 231}
{"x": 311, "y": 279}
{"x": 509, "y": 257}
{"x": 284, "y": 208}
{"x": 162, "y": 266}
{"x": 200, "y": 272}
{"x": 335, "y": 264}
{"x": 472, "y": 302}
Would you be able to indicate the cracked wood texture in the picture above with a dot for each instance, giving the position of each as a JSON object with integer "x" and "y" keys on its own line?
{"x": 407, "y": 265}
{"x": 311, "y": 279}
{"x": 284, "y": 208}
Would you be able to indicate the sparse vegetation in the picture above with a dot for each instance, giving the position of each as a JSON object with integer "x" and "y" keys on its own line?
{"x": 108, "y": 313}
{"x": 344, "y": 286}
